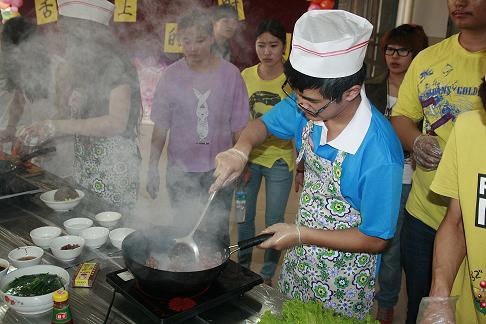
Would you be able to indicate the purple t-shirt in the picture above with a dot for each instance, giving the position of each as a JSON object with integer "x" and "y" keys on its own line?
{"x": 202, "y": 111}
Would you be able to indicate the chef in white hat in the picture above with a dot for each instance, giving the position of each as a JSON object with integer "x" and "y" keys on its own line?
{"x": 353, "y": 166}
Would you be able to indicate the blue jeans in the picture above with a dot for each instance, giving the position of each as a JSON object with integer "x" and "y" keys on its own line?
{"x": 390, "y": 275}
{"x": 417, "y": 248}
{"x": 278, "y": 182}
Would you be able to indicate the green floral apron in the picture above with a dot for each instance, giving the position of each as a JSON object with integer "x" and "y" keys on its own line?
{"x": 108, "y": 166}
{"x": 342, "y": 281}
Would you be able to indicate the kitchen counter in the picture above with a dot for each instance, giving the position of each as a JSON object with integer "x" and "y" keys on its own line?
{"x": 19, "y": 215}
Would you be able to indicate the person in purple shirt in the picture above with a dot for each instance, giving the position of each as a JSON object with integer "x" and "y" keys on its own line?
{"x": 202, "y": 101}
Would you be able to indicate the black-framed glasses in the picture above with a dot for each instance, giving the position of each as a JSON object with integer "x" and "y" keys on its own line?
{"x": 402, "y": 51}
{"x": 310, "y": 112}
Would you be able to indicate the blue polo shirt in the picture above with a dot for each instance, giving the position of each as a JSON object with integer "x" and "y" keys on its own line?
{"x": 371, "y": 179}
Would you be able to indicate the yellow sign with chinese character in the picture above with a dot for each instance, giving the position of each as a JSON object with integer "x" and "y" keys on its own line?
{"x": 288, "y": 45}
{"x": 237, "y": 4}
{"x": 125, "y": 11}
{"x": 171, "y": 44}
{"x": 46, "y": 11}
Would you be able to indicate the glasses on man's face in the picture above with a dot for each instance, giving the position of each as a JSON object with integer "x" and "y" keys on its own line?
{"x": 402, "y": 51}
{"x": 310, "y": 112}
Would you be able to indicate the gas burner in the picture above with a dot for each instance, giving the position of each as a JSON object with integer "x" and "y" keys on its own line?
{"x": 233, "y": 282}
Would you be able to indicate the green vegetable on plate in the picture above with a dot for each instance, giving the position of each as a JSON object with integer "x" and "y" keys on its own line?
{"x": 34, "y": 285}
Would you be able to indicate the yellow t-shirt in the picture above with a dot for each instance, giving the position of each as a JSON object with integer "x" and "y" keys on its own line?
{"x": 462, "y": 175}
{"x": 443, "y": 79}
{"x": 263, "y": 95}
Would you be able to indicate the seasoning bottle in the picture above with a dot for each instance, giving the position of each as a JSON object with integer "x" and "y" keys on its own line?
{"x": 240, "y": 201}
{"x": 61, "y": 313}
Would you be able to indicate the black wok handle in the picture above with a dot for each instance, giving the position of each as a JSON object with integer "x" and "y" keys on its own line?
{"x": 253, "y": 241}
{"x": 41, "y": 151}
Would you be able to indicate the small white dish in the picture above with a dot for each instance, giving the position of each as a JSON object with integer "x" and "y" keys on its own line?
{"x": 68, "y": 253}
{"x": 42, "y": 236}
{"x": 75, "y": 226}
{"x": 118, "y": 235}
{"x": 95, "y": 237}
{"x": 108, "y": 219}
{"x": 26, "y": 256}
{"x": 36, "y": 304}
{"x": 61, "y": 206}
{"x": 4, "y": 265}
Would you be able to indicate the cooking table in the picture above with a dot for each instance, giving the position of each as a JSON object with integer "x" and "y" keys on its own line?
{"x": 19, "y": 215}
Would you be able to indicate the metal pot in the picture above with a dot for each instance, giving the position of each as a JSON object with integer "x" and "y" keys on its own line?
{"x": 140, "y": 245}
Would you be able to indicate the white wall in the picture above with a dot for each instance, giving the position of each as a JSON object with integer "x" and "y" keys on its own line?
{"x": 433, "y": 16}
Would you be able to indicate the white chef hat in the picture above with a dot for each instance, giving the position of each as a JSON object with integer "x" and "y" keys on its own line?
{"x": 329, "y": 43}
{"x": 100, "y": 11}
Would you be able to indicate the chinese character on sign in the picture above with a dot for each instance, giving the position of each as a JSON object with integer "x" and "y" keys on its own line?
{"x": 125, "y": 11}
{"x": 237, "y": 4}
{"x": 46, "y": 11}
{"x": 171, "y": 45}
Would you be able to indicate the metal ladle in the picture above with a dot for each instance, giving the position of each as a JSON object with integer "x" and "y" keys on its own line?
{"x": 187, "y": 242}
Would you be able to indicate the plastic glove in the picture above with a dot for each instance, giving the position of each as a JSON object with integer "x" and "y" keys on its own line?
{"x": 36, "y": 133}
{"x": 426, "y": 151}
{"x": 229, "y": 165}
{"x": 284, "y": 236}
{"x": 437, "y": 310}
{"x": 153, "y": 181}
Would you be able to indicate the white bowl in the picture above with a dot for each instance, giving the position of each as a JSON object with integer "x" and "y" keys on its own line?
{"x": 118, "y": 235}
{"x": 42, "y": 236}
{"x": 108, "y": 219}
{"x": 74, "y": 226}
{"x": 36, "y": 304}
{"x": 25, "y": 256}
{"x": 70, "y": 254}
{"x": 95, "y": 237}
{"x": 4, "y": 265}
{"x": 61, "y": 206}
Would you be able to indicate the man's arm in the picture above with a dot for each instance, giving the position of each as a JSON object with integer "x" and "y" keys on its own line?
{"x": 406, "y": 130}
{"x": 449, "y": 251}
{"x": 231, "y": 163}
{"x": 349, "y": 240}
{"x": 252, "y": 135}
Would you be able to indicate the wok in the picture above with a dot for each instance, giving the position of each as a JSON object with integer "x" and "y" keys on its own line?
{"x": 158, "y": 241}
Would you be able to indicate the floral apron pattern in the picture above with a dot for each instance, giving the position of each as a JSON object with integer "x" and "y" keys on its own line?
{"x": 342, "y": 281}
{"x": 108, "y": 166}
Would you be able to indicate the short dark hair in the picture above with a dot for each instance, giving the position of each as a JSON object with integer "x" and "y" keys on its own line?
{"x": 224, "y": 11}
{"x": 482, "y": 92}
{"x": 332, "y": 88}
{"x": 196, "y": 17}
{"x": 272, "y": 26}
{"x": 410, "y": 36}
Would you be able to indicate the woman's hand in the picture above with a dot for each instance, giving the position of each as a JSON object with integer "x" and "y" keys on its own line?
{"x": 36, "y": 133}
{"x": 284, "y": 236}
{"x": 153, "y": 181}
